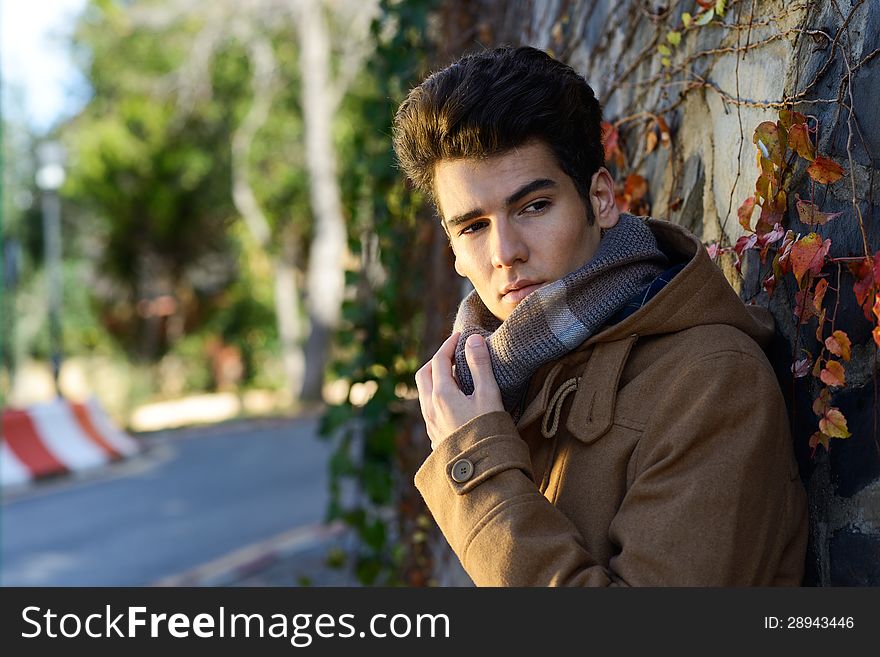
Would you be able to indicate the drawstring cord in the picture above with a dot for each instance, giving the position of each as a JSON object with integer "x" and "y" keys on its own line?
{"x": 554, "y": 408}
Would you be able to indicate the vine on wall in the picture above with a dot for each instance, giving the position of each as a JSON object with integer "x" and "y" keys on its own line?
{"x": 784, "y": 148}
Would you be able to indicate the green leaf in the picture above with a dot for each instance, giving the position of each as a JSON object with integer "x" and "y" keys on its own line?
{"x": 674, "y": 38}
{"x": 719, "y": 7}
{"x": 687, "y": 19}
{"x": 706, "y": 17}
{"x": 664, "y": 50}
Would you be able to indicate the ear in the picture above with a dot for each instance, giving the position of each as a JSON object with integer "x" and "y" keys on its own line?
{"x": 603, "y": 200}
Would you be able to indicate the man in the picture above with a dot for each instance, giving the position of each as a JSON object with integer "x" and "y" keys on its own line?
{"x": 603, "y": 413}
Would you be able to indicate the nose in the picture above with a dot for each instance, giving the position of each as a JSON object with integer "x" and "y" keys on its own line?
{"x": 508, "y": 245}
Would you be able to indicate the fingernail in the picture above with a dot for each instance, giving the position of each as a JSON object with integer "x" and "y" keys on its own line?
{"x": 474, "y": 341}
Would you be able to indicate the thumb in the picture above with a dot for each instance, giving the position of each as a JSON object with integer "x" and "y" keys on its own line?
{"x": 477, "y": 354}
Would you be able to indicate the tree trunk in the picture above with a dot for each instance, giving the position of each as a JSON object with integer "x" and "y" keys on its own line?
{"x": 325, "y": 277}
{"x": 287, "y": 313}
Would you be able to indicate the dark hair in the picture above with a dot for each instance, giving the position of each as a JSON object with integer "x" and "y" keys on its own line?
{"x": 490, "y": 102}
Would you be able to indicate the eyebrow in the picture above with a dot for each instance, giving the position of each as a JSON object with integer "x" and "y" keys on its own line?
{"x": 525, "y": 190}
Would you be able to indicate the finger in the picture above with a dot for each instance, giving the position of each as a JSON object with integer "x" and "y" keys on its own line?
{"x": 441, "y": 363}
{"x": 476, "y": 353}
{"x": 424, "y": 381}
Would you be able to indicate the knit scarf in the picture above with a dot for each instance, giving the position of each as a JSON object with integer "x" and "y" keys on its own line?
{"x": 558, "y": 317}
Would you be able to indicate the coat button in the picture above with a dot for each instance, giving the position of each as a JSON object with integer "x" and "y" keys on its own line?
{"x": 462, "y": 471}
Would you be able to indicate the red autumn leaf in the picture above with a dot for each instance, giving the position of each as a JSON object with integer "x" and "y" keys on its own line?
{"x": 769, "y": 141}
{"x": 803, "y": 306}
{"x": 838, "y": 344}
{"x": 789, "y": 118}
{"x": 826, "y": 171}
{"x": 712, "y": 249}
{"x": 745, "y": 213}
{"x": 810, "y": 215}
{"x": 864, "y": 285}
{"x": 611, "y": 141}
{"x": 808, "y": 254}
{"x": 782, "y": 261}
{"x": 833, "y": 424}
{"x": 819, "y": 294}
{"x": 799, "y": 140}
{"x": 820, "y": 325}
{"x": 817, "y": 367}
{"x": 706, "y": 4}
{"x": 663, "y": 127}
{"x": 876, "y": 308}
{"x": 833, "y": 374}
{"x": 876, "y": 335}
{"x": 770, "y": 284}
{"x": 635, "y": 187}
{"x": 801, "y": 368}
{"x": 767, "y": 239}
{"x": 817, "y": 439}
{"x": 764, "y": 187}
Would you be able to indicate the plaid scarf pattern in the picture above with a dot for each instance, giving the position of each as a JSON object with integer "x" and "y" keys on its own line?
{"x": 558, "y": 317}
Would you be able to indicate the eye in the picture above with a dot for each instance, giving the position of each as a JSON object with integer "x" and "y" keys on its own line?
{"x": 473, "y": 228}
{"x": 536, "y": 207}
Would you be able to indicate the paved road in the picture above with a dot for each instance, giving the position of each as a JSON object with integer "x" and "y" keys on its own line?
{"x": 194, "y": 497}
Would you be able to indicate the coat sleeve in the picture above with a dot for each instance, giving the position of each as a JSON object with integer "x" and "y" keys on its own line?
{"x": 710, "y": 494}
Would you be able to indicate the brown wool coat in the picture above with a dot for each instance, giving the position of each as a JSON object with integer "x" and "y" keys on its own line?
{"x": 670, "y": 464}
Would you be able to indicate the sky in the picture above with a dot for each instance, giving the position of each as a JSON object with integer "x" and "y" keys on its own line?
{"x": 40, "y": 85}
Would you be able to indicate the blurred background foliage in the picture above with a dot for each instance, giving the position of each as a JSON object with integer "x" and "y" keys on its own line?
{"x": 190, "y": 194}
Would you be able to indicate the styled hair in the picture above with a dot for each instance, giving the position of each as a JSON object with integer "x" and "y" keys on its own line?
{"x": 488, "y": 103}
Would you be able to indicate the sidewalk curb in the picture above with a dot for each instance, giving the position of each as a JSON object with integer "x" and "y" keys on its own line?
{"x": 237, "y": 565}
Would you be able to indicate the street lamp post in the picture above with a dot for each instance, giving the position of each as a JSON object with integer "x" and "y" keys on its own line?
{"x": 50, "y": 177}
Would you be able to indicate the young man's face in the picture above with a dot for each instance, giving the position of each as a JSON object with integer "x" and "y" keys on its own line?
{"x": 516, "y": 221}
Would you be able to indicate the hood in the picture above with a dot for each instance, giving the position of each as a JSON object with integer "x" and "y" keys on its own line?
{"x": 698, "y": 295}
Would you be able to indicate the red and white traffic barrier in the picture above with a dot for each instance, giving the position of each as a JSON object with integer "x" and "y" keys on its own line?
{"x": 58, "y": 437}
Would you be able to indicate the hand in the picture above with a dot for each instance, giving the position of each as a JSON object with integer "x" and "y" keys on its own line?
{"x": 444, "y": 406}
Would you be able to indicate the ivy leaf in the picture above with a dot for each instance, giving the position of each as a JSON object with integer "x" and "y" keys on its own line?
{"x": 838, "y": 344}
{"x": 674, "y": 38}
{"x": 817, "y": 439}
{"x": 820, "y": 325}
{"x": 819, "y": 294}
{"x": 770, "y": 285}
{"x": 808, "y": 254}
{"x": 719, "y": 7}
{"x": 686, "y": 18}
{"x": 664, "y": 50}
{"x": 635, "y": 187}
{"x": 822, "y": 403}
{"x": 810, "y": 215}
{"x": 876, "y": 308}
{"x": 706, "y": 17}
{"x": 745, "y": 213}
{"x": 803, "y": 306}
{"x": 825, "y": 171}
{"x": 665, "y": 61}
{"x": 799, "y": 140}
{"x": 782, "y": 261}
{"x": 864, "y": 275}
{"x": 663, "y": 127}
{"x": 833, "y": 424}
{"x": 763, "y": 186}
{"x": 801, "y": 368}
{"x": 650, "y": 141}
{"x": 769, "y": 238}
{"x": 712, "y": 249}
{"x": 833, "y": 375}
{"x": 789, "y": 118}
{"x": 876, "y": 335}
{"x": 767, "y": 139}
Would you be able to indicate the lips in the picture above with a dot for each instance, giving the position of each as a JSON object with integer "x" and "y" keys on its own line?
{"x": 519, "y": 290}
